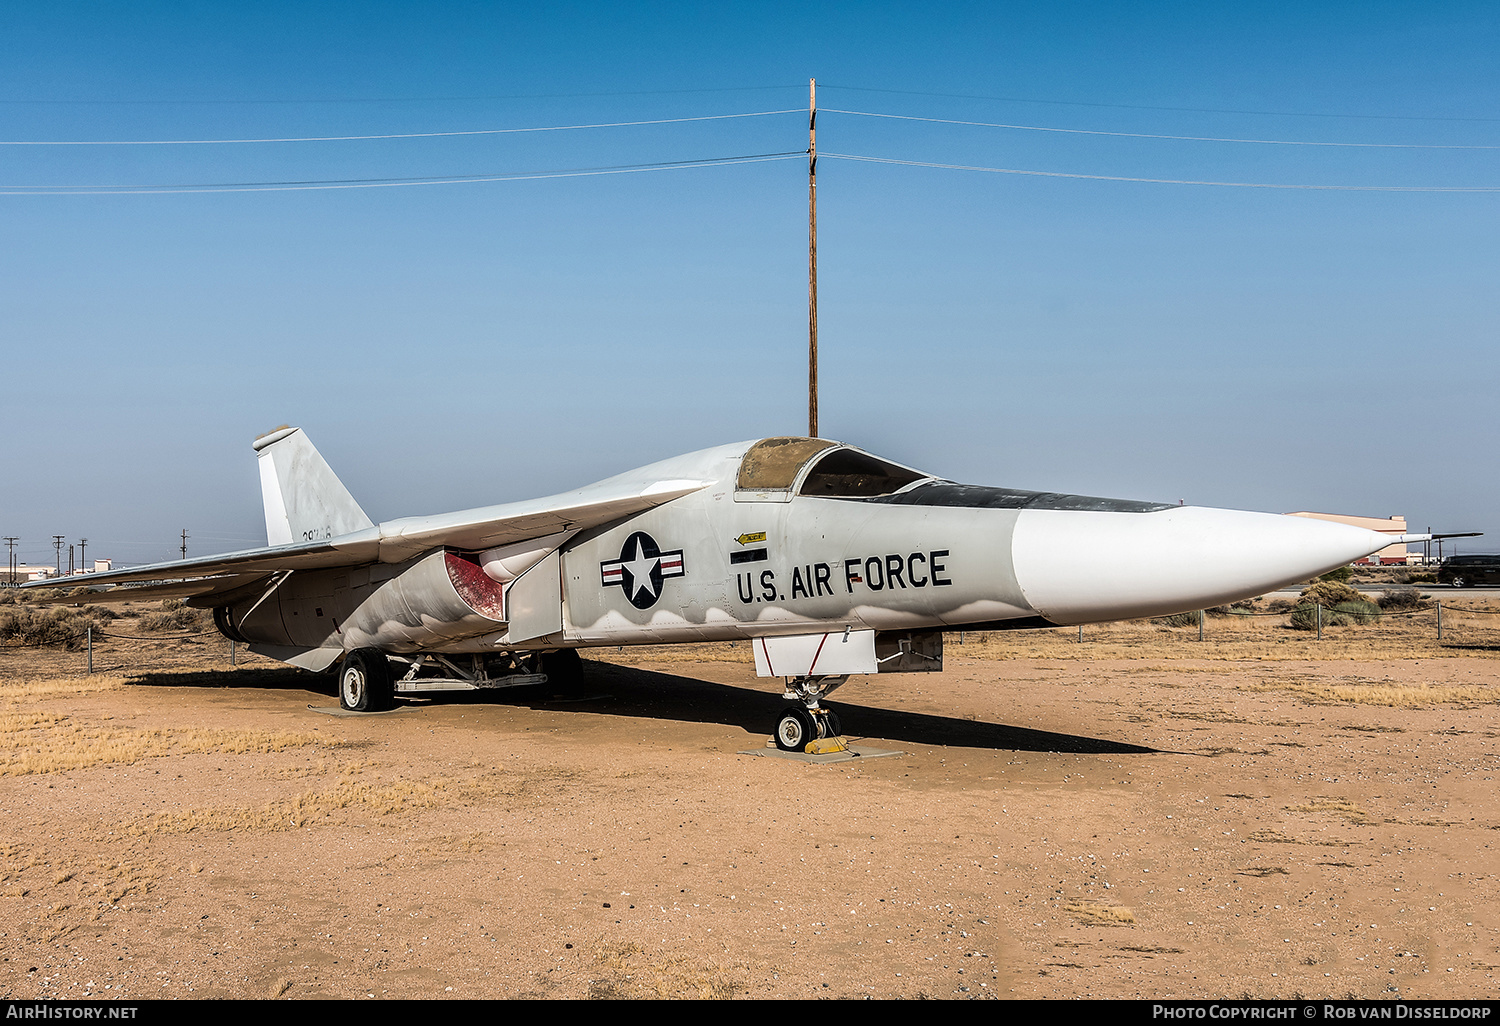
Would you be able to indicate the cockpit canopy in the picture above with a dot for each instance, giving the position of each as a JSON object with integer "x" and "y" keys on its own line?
{"x": 775, "y": 469}
{"x": 816, "y": 466}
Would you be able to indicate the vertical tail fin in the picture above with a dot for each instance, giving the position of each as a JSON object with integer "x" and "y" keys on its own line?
{"x": 304, "y": 498}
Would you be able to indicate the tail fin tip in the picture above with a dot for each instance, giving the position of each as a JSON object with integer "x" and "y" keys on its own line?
{"x": 304, "y": 499}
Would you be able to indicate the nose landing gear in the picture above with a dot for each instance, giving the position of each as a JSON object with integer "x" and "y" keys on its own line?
{"x": 802, "y": 724}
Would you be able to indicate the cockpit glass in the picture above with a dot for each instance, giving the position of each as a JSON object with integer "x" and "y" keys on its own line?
{"x": 848, "y": 473}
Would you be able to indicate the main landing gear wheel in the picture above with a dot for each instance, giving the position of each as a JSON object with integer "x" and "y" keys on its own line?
{"x": 795, "y": 729}
{"x": 831, "y": 725}
{"x": 564, "y": 670}
{"x": 365, "y": 683}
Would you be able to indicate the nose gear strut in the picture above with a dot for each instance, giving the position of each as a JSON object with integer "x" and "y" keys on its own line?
{"x": 802, "y": 724}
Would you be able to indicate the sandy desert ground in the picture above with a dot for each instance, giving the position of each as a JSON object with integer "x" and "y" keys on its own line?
{"x": 1136, "y": 815}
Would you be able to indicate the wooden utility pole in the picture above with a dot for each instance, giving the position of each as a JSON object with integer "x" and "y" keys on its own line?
{"x": 812, "y": 257}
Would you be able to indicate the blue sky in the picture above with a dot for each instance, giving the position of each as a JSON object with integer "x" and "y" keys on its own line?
{"x": 454, "y": 345}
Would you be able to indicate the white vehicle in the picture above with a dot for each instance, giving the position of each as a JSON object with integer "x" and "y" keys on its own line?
{"x": 831, "y": 561}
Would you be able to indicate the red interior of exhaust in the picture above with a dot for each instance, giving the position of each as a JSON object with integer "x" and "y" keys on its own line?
{"x": 479, "y": 590}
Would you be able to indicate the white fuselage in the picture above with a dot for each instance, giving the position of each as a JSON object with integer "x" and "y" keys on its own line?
{"x": 726, "y": 562}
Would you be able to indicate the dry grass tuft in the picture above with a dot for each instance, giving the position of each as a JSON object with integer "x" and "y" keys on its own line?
{"x": 318, "y": 808}
{"x": 40, "y": 743}
{"x": 1431, "y": 821}
{"x": 10, "y": 723}
{"x": 14, "y": 689}
{"x": 1341, "y": 807}
{"x": 120, "y": 879}
{"x": 448, "y": 844}
{"x": 1267, "y": 836}
{"x": 633, "y": 973}
{"x": 316, "y": 769}
{"x": 280, "y": 987}
{"x": 1096, "y": 914}
{"x": 1404, "y": 696}
{"x": 1277, "y": 837}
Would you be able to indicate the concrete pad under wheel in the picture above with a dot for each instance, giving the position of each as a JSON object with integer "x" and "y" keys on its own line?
{"x": 853, "y": 752}
{"x": 338, "y": 710}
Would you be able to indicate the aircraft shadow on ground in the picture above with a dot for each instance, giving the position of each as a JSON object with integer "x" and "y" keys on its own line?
{"x": 270, "y": 678}
{"x": 631, "y": 691}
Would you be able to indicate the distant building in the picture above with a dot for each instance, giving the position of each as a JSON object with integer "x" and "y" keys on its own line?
{"x": 34, "y": 572}
{"x": 1391, "y": 555}
{"x": 41, "y": 572}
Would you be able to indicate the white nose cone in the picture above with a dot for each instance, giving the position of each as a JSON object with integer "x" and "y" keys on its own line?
{"x": 1085, "y": 566}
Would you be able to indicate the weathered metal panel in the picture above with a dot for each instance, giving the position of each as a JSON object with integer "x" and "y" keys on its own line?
{"x": 832, "y": 654}
{"x": 535, "y": 600}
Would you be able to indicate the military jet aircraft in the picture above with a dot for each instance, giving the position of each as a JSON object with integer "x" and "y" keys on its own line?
{"x": 829, "y": 561}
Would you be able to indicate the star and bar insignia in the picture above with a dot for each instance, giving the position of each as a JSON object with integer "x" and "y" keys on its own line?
{"x": 641, "y": 568}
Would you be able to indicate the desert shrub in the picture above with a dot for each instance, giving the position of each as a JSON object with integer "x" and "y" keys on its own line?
{"x": 1304, "y": 617}
{"x": 1339, "y": 575}
{"x": 1330, "y": 593}
{"x": 1356, "y": 612}
{"x": 1422, "y": 578}
{"x": 177, "y": 618}
{"x": 23, "y": 625}
{"x": 1189, "y": 619}
{"x": 1279, "y": 605}
{"x": 1397, "y": 600}
{"x": 1218, "y": 611}
{"x": 8, "y": 597}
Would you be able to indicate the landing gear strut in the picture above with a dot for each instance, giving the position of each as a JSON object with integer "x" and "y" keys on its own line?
{"x": 808, "y": 721}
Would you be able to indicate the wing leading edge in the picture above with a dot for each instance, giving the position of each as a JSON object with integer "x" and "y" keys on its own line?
{"x": 391, "y": 542}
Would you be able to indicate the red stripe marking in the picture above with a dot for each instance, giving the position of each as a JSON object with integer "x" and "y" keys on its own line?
{"x": 816, "y": 654}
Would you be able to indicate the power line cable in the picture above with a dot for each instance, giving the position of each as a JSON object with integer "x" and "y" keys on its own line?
{"x": 313, "y": 101}
{"x": 397, "y": 135}
{"x": 1163, "y": 181}
{"x": 396, "y": 99}
{"x": 1184, "y": 110}
{"x": 1148, "y": 135}
{"x": 372, "y": 183}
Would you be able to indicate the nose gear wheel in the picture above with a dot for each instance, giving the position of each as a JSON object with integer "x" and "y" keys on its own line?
{"x": 798, "y": 727}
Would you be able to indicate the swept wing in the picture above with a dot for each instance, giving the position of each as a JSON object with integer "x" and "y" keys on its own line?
{"x": 301, "y": 501}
